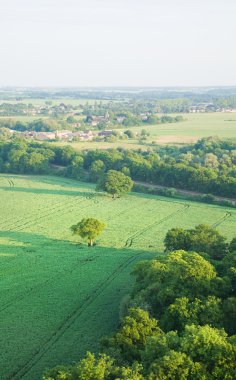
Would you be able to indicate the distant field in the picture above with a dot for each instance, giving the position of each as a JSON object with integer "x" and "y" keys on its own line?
{"x": 83, "y": 145}
{"x": 194, "y": 127}
{"x": 58, "y": 297}
{"x": 24, "y": 118}
{"x": 41, "y": 102}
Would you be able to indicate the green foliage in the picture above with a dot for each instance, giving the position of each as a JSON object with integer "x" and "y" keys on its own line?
{"x": 92, "y": 368}
{"x": 181, "y": 273}
{"x": 131, "y": 338}
{"x": 211, "y": 347}
{"x": 198, "y": 311}
{"x": 185, "y": 168}
{"x": 71, "y": 120}
{"x": 232, "y": 246}
{"x": 97, "y": 170}
{"x": 88, "y": 228}
{"x": 200, "y": 352}
{"x": 75, "y": 170}
{"x": 174, "y": 365}
{"x": 115, "y": 183}
{"x": 201, "y": 239}
{"x": 129, "y": 133}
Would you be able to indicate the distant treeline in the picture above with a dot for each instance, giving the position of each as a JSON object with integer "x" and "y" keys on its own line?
{"x": 194, "y": 94}
{"x": 208, "y": 167}
{"x": 37, "y": 125}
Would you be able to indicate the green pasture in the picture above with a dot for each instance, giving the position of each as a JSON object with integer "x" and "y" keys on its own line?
{"x": 195, "y": 126}
{"x": 25, "y": 119}
{"x": 57, "y": 296}
{"x": 84, "y": 145}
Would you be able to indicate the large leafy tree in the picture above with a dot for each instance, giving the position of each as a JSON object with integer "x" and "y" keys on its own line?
{"x": 97, "y": 170}
{"x": 88, "y": 228}
{"x": 115, "y": 183}
{"x": 202, "y": 238}
{"x": 95, "y": 368}
{"x": 131, "y": 338}
{"x": 158, "y": 282}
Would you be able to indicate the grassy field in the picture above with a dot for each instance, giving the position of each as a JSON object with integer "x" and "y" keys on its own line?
{"x": 25, "y": 119}
{"x": 194, "y": 126}
{"x": 58, "y": 297}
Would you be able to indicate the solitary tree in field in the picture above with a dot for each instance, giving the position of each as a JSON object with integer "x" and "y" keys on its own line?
{"x": 88, "y": 228}
{"x": 115, "y": 183}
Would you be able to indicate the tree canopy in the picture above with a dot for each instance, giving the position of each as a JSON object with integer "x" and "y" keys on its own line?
{"x": 88, "y": 228}
{"x": 115, "y": 183}
{"x": 202, "y": 238}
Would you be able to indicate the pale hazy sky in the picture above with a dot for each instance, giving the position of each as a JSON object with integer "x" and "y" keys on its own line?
{"x": 117, "y": 42}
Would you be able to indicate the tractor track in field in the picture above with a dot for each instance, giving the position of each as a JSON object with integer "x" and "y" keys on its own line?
{"x": 6, "y": 223}
{"x": 124, "y": 211}
{"x": 49, "y": 212}
{"x": 50, "y": 280}
{"x": 222, "y": 219}
{"x": 68, "y": 321}
{"x": 64, "y": 210}
{"x": 11, "y": 183}
{"x": 27, "y": 216}
{"x": 42, "y": 207}
{"x": 130, "y": 240}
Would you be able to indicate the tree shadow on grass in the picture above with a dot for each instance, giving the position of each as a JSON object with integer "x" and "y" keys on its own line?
{"x": 20, "y": 242}
{"x": 87, "y": 194}
{"x": 48, "y": 179}
{"x": 45, "y": 266}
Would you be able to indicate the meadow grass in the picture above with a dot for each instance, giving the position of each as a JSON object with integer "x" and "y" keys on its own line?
{"x": 57, "y": 296}
{"x": 194, "y": 126}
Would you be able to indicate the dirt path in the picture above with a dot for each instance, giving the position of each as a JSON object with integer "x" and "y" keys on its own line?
{"x": 183, "y": 192}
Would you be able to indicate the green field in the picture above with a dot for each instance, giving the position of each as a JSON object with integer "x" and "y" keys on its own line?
{"x": 195, "y": 126}
{"x": 58, "y": 297}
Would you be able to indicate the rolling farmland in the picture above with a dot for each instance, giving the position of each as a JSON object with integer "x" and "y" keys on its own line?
{"x": 58, "y": 297}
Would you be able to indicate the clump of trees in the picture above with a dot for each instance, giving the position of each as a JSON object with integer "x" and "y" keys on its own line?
{"x": 179, "y": 321}
{"x": 202, "y": 238}
{"x": 115, "y": 183}
{"x": 88, "y": 228}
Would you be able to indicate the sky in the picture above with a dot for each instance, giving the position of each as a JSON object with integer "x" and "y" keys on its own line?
{"x": 84, "y": 43}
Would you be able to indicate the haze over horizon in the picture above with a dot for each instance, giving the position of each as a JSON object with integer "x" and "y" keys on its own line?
{"x": 110, "y": 43}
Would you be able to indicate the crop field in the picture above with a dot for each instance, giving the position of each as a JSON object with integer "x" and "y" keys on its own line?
{"x": 195, "y": 126}
{"x": 57, "y": 296}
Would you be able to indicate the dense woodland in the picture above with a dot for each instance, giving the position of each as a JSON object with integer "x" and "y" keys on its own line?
{"x": 208, "y": 167}
{"x": 179, "y": 320}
